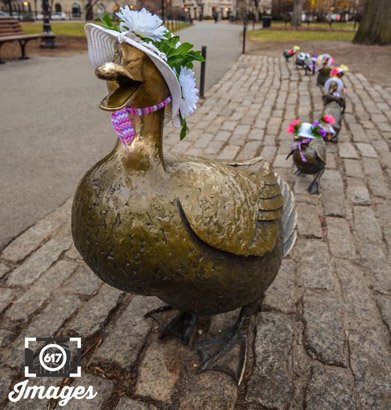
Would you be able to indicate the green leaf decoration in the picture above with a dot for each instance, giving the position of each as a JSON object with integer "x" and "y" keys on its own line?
{"x": 184, "y": 129}
{"x": 107, "y": 22}
{"x": 178, "y": 56}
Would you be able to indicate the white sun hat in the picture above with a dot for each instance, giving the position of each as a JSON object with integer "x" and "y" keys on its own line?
{"x": 305, "y": 130}
{"x": 333, "y": 80}
{"x": 324, "y": 57}
{"x": 102, "y": 43}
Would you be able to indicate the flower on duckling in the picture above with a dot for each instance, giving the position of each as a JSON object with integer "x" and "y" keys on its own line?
{"x": 334, "y": 72}
{"x": 142, "y": 23}
{"x": 294, "y": 126}
{"x": 190, "y": 98}
{"x": 317, "y": 130}
{"x": 328, "y": 119}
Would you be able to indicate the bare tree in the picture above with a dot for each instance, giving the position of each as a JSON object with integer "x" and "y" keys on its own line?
{"x": 297, "y": 11}
{"x": 375, "y": 26}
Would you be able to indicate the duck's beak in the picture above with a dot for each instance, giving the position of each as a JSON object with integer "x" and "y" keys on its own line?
{"x": 121, "y": 83}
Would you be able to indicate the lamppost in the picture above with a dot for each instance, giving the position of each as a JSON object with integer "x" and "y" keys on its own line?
{"x": 200, "y": 4}
{"x": 48, "y": 38}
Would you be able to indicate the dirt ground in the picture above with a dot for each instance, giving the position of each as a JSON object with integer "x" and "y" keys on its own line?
{"x": 372, "y": 61}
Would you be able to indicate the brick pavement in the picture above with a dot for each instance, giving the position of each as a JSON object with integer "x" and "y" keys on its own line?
{"x": 323, "y": 338}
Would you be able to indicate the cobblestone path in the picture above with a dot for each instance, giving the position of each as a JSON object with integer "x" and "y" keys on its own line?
{"x": 322, "y": 340}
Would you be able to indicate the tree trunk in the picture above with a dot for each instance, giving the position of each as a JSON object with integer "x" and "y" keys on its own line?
{"x": 375, "y": 26}
{"x": 297, "y": 11}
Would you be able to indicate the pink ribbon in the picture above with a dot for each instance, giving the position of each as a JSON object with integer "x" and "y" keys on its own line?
{"x": 297, "y": 145}
{"x": 122, "y": 124}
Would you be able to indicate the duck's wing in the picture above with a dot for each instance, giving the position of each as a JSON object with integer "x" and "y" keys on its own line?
{"x": 230, "y": 209}
{"x": 289, "y": 217}
{"x": 320, "y": 148}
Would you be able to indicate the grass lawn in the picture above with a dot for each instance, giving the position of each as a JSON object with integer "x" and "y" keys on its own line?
{"x": 335, "y": 26}
{"x": 76, "y": 28}
{"x": 300, "y": 35}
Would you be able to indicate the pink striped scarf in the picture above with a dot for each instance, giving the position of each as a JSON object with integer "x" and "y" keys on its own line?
{"x": 122, "y": 124}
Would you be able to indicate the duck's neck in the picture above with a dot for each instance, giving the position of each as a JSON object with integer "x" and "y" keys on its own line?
{"x": 146, "y": 150}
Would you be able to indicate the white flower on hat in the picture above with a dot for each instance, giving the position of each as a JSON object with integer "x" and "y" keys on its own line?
{"x": 142, "y": 23}
{"x": 189, "y": 98}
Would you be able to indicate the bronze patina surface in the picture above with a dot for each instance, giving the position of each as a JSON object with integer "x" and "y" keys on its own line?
{"x": 205, "y": 237}
{"x": 335, "y": 106}
{"x": 323, "y": 75}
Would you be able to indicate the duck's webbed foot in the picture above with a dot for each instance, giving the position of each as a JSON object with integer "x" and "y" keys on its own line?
{"x": 314, "y": 187}
{"x": 228, "y": 352}
{"x": 181, "y": 326}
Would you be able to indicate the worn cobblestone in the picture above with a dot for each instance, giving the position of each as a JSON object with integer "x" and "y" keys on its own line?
{"x": 271, "y": 385}
{"x": 129, "y": 331}
{"x": 330, "y": 389}
{"x": 324, "y": 331}
{"x": 159, "y": 371}
{"x": 340, "y": 239}
{"x": 210, "y": 391}
{"x": 93, "y": 313}
{"x": 39, "y": 262}
{"x": 101, "y": 386}
{"x": 47, "y": 323}
{"x": 32, "y": 239}
{"x": 31, "y": 301}
{"x": 126, "y": 403}
{"x": 314, "y": 267}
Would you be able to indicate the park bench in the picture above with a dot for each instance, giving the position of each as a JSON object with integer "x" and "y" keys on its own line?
{"x": 10, "y": 30}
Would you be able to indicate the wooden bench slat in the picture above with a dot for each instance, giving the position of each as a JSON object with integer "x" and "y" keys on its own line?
{"x": 11, "y": 30}
{"x": 6, "y": 31}
{"x": 15, "y": 38}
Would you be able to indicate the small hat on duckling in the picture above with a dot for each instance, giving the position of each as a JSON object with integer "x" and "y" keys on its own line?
{"x": 306, "y": 130}
{"x": 339, "y": 71}
{"x": 325, "y": 59}
{"x": 333, "y": 86}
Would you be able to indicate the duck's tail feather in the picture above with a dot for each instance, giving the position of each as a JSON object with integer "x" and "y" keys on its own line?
{"x": 289, "y": 217}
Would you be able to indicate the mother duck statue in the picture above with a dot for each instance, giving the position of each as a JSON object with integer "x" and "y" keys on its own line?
{"x": 205, "y": 237}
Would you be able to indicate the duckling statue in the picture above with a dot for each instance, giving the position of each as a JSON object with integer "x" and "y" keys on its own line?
{"x": 301, "y": 59}
{"x": 310, "y": 64}
{"x": 324, "y": 63}
{"x": 308, "y": 151}
{"x": 332, "y": 128}
{"x": 205, "y": 237}
{"x": 334, "y": 102}
{"x": 290, "y": 53}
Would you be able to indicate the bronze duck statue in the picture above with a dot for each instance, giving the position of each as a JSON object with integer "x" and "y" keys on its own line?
{"x": 309, "y": 151}
{"x": 310, "y": 64}
{"x": 290, "y": 52}
{"x": 302, "y": 60}
{"x": 324, "y": 62}
{"x": 203, "y": 236}
{"x": 334, "y": 102}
